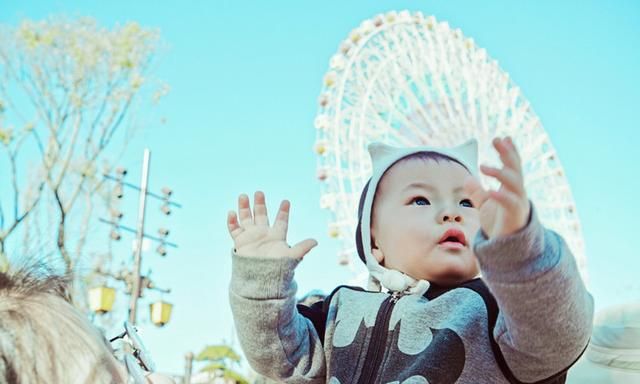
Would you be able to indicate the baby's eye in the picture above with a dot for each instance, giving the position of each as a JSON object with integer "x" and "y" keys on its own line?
{"x": 420, "y": 201}
{"x": 466, "y": 203}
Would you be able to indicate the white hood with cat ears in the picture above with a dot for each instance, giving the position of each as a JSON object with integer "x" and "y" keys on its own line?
{"x": 382, "y": 158}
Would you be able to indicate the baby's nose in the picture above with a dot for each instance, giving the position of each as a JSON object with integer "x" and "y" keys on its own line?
{"x": 452, "y": 218}
{"x": 451, "y": 215}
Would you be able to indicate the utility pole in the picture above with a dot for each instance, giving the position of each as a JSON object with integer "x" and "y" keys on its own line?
{"x": 135, "y": 294}
{"x": 135, "y": 282}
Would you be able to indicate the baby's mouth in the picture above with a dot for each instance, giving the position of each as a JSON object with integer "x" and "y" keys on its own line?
{"x": 453, "y": 239}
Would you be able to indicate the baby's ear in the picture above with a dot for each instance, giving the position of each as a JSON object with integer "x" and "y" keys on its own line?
{"x": 376, "y": 252}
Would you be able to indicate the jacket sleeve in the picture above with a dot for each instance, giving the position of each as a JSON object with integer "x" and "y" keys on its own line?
{"x": 545, "y": 312}
{"x": 278, "y": 342}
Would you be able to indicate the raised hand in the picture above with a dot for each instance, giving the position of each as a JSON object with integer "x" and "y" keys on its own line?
{"x": 505, "y": 211}
{"x": 252, "y": 235}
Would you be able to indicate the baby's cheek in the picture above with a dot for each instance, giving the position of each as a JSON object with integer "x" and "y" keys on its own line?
{"x": 474, "y": 226}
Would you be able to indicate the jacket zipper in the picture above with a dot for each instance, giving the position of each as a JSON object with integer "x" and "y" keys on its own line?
{"x": 375, "y": 352}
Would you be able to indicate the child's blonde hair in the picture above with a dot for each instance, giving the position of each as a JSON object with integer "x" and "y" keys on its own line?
{"x": 43, "y": 338}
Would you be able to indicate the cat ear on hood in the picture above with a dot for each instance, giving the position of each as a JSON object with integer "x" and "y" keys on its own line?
{"x": 379, "y": 151}
{"x": 468, "y": 151}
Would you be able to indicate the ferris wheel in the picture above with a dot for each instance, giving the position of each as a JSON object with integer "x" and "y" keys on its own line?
{"x": 407, "y": 80}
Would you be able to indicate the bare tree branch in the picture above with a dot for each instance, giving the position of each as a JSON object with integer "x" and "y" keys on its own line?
{"x": 71, "y": 84}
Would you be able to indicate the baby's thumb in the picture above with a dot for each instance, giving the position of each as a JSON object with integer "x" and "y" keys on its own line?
{"x": 302, "y": 248}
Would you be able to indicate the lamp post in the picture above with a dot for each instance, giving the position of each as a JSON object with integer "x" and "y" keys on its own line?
{"x": 160, "y": 311}
{"x": 188, "y": 367}
{"x": 133, "y": 305}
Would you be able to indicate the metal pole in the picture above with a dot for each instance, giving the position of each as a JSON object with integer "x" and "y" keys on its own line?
{"x": 135, "y": 294}
{"x": 187, "y": 368}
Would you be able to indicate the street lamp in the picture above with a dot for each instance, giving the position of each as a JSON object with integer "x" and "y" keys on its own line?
{"x": 160, "y": 312}
{"x": 101, "y": 299}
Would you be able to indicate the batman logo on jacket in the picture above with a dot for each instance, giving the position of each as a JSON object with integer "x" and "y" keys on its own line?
{"x": 440, "y": 362}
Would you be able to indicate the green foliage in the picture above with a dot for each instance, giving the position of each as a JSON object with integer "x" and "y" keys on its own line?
{"x": 219, "y": 357}
{"x": 217, "y": 353}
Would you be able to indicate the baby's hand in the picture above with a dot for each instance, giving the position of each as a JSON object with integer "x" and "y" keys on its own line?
{"x": 506, "y": 210}
{"x": 253, "y": 236}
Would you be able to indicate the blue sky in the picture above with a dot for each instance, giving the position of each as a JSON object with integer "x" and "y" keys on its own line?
{"x": 245, "y": 76}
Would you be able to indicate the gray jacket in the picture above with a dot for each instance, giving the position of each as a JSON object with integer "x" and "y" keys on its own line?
{"x": 527, "y": 320}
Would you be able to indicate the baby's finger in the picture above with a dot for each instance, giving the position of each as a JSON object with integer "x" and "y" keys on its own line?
{"x": 509, "y": 178}
{"x": 508, "y": 154}
{"x": 244, "y": 210}
{"x": 232, "y": 224}
{"x": 514, "y": 149}
{"x": 282, "y": 218}
{"x": 508, "y": 200}
{"x": 260, "y": 209}
{"x": 302, "y": 248}
{"x": 475, "y": 191}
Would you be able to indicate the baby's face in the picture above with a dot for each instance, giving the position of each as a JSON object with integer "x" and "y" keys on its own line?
{"x": 423, "y": 223}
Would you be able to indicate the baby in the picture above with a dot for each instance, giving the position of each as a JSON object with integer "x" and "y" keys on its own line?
{"x": 466, "y": 285}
